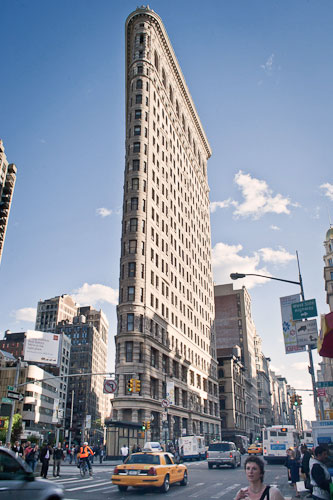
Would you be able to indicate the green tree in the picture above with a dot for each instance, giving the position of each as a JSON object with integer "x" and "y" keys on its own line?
{"x": 16, "y": 429}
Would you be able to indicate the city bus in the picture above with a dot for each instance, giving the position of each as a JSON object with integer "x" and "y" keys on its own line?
{"x": 276, "y": 440}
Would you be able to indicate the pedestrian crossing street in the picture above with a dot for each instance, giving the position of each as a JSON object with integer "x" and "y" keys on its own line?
{"x": 77, "y": 488}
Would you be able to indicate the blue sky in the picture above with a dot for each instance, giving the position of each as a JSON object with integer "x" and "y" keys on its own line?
{"x": 260, "y": 74}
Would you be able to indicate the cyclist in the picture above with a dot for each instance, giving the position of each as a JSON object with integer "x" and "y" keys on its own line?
{"x": 84, "y": 453}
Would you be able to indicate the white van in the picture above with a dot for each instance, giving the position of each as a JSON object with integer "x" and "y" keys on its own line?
{"x": 192, "y": 447}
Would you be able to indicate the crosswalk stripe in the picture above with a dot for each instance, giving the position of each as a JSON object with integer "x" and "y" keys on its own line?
{"x": 227, "y": 490}
{"x": 87, "y": 487}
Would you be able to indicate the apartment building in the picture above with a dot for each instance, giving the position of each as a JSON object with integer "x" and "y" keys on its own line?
{"x": 235, "y": 327}
{"x": 165, "y": 333}
{"x": 51, "y": 311}
{"x": 7, "y": 184}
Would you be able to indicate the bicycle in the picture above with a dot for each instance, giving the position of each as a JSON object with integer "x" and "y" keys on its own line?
{"x": 83, "y": 466}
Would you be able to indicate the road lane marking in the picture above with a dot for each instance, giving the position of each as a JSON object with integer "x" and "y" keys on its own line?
{"x": 209, "y": 486}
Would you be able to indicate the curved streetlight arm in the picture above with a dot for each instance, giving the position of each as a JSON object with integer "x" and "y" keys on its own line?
{"x": 236, "y": 276}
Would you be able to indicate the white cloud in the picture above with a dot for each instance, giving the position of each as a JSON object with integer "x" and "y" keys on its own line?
{"x": 220, "y": 204}
{"x": 226, "y": 259}
{"x": 93, "y": 294}
{"x": 25, "y": 314}
{"x": 103, "y": 212}
{"x": 274, "y": 228}
{"x": 268, "y": 66}
{"x": 328, "y": 190}
{"x": 258, "y": 199}
{"x": 281, "y": 256}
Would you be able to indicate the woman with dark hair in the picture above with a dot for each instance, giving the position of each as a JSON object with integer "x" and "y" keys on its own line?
{"x": 257, "y": 490}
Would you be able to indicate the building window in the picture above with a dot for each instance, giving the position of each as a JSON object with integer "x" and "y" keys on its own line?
{"x": 138, "y": 114}
{"x": 130, "y": 322}
{"x": 131, "y": 269}
{"x": 134, "y": 203}
{"x": 136, "y": 147}
{"x": 154, "y": 388}
{"x": 139, "y": 84}
{"x": 132, "y": 246}
{"x": 140, "y": 70}
{"x": 154, "y": 358}
{"x": 136, "y": 165}
{"x": 164, "y": 78}
{"x": 133, "y": 225}
{"x": 156, "y": 60}
{"x": 129, "y": 351}
{"x": 138, "y": 99}
{"x": 130, "y": 293}
{"x": 137, "y": 130}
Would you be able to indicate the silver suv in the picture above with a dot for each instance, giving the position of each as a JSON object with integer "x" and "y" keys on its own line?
{"x": 223, "y": 453}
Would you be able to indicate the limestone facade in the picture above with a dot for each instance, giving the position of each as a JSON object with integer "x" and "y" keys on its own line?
{"x": 165, "y": 333}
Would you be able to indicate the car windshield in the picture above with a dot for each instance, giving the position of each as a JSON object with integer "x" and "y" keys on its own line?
{"x": 144, "y": 459}
{"x": 219, "y": 447}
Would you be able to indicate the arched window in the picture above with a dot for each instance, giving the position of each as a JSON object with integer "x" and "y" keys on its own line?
{"x": 139, "y": 84}
{"x": 156, "y": 60}
{"x": 171, "y": 93}
{"x": 164, "y": 78}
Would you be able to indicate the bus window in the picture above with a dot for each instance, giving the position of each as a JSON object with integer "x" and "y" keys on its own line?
{"x": 282, "y": 433}
{"x": 273, "y": 433}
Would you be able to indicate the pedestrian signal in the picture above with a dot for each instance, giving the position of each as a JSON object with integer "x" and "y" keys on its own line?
{"x": 148, "y": 425}
{"x": 137, "y": 385}
{"x": 130, "y": 385}
{"x": 143, "y": 427}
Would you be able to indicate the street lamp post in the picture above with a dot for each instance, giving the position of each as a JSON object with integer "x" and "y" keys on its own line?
{"x": 236, "y": 276}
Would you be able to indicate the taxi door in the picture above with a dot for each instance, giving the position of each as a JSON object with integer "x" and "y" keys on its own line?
{"x": 171, "y": 468}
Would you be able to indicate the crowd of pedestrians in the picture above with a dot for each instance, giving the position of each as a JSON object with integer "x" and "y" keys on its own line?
{"x": 301, "y": 465}
{"x": 32, "y": 453}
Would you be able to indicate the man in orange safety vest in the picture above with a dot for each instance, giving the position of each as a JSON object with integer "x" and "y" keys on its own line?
{"x": 84, "y": 454}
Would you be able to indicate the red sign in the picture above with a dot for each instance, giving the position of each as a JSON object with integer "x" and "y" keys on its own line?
{"x": 321, "y": 392}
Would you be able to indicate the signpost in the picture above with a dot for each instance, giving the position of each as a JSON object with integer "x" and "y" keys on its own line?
{"x": 288, "y": 325}
{"x": 306, "y": 332}
{"x": 165, "y": 403}
{"x": 109, "y": 386}
{"x": 304, "y": 309}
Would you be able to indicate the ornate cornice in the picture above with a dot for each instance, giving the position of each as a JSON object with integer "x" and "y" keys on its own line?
{"x": 156, "y": 20}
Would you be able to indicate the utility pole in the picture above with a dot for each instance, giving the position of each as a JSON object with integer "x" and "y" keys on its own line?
{"x": 311, "y": 368}
{"x": 71, "y": 421}
{"x": 11, "y": 418}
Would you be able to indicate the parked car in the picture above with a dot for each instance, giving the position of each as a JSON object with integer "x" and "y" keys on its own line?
{"x": 147, "y": 469}
{"x": 255, "y": 449}
{"x": 223, "y": 453}
{"x": 18, "y": 481}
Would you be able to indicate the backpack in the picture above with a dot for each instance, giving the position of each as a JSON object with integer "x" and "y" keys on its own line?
{"x": 30, "y": 455}
{"x": 265, "y": 494}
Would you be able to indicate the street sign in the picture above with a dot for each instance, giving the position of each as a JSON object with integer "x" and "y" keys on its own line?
{"x": 61, "y": 413}
{"x": 288, "y": 325}
{"x": 6, "y": 400}
{"x": 88, "y": 422}
{"x": 328, "y": 383}
{"x": 304, "y": 309}
{"x": 165, "y": 403}
{"x": 15, "y": 395}
{"x": 109, "y": 386}
{"x": 306, "y": 332}
{"x": 10, "y": 387}
{"x": 321, "y": 392}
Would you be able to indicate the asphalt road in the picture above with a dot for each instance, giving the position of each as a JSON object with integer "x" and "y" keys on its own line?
{"x": 203, "y": 484}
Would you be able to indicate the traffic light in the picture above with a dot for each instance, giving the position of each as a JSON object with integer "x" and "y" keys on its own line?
{"x": 137, "y": 385}
{"x": 130, "y": 385}
{"x": 148, "y": 425}
{"x": 143, "y": 427}
{"x": 299, "y": 400}
{"x": 292, "y": 399}
{"x": 296, "y": 400}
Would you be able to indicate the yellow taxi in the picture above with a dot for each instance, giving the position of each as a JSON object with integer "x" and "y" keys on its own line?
{"x": 147, "y": 469}
{"x": 255, "y": 449}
